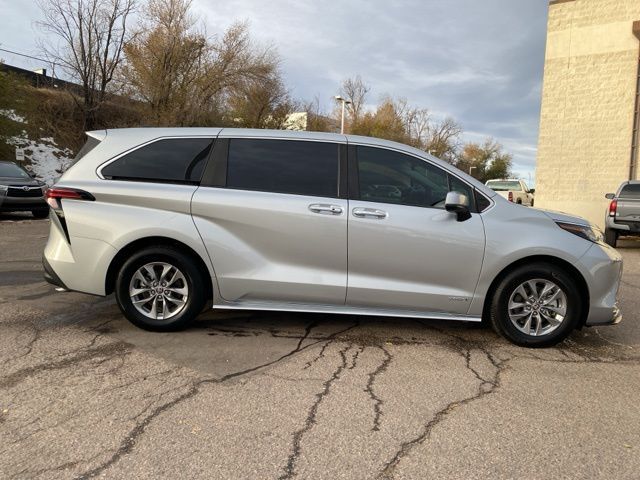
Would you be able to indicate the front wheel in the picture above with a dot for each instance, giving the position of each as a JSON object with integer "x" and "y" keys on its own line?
{"x": 536, "y": 305}
{"x": 611, "y": 237}
{"x": 160, "y": 289}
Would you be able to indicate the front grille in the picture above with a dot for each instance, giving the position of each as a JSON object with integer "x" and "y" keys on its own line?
{"x": 20, "y": 192}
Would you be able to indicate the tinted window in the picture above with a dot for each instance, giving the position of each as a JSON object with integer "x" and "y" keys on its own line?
{"x": 171, "y": 160}
{"x": 391, "y": 177}
{"x": 283, "y": 166}
{"x": 482, "y": 202}
{"x": 12, "y": 170}
{"x": 630, "y": 191}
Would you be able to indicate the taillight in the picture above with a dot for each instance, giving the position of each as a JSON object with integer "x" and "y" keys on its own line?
{"x": 55, "y": 194}
{"x": 613, "y": 207}
{"x": 511, "y": 196}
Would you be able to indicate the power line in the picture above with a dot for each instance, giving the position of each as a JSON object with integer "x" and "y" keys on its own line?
{"x": 29, "y": 56}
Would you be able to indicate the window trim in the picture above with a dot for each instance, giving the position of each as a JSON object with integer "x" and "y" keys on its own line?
{"x": 100, "y": 167}
{"x": 354, "y": 177}
{"x": 220, "y": 164}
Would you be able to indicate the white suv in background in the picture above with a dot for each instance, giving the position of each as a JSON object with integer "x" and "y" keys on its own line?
{"x": 170, "y": 219}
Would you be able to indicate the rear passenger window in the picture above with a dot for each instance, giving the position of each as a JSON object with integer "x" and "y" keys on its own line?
{"x": 283, "y": 166}
{"x": 178, "y": 160}
{"x": 631, "y": 191}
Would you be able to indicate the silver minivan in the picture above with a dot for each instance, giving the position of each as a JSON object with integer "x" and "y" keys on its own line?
{"x": 175, "y": 219}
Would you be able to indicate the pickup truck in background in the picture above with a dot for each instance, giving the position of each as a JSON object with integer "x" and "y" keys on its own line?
{"x": 623, "y": 214}
{"x": 515, "y": 191}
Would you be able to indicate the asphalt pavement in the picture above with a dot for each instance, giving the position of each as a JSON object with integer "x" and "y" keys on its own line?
{"x": 260, "y": 395}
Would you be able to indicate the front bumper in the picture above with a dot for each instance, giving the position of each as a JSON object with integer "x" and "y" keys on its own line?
{"x": 603, "y": 273}
{"x": 20, "y": 204}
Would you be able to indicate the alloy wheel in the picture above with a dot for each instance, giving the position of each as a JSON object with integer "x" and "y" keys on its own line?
{"x": 537, "y": 307}
{"x": 158, "y": 290}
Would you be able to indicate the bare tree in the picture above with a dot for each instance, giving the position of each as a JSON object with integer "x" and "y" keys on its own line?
{"x": 91, "y": 35}
{"x": 443, "y": 139}
{"x": 355, "y": 91}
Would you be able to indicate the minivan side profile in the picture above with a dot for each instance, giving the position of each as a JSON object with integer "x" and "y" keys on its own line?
{"x": 173, "y": 219}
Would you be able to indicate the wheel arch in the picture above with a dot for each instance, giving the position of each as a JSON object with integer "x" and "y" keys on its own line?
{"x": 141, "y": 243}
{"x": 559, "y": 262}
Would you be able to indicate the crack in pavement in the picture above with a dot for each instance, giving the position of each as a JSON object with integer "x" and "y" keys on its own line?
{"x": 377, "y": 401}
{"x": 289, "y": 470}
{"x": 406, "y": 447}
{"x": 128, "y": 444}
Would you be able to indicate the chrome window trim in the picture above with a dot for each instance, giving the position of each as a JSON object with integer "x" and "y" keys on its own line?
{"x": 149, "y": 142}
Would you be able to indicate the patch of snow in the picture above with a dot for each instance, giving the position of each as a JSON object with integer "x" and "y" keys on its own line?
{"x": 12, "y": 115}
{"x": 48, "y": 162}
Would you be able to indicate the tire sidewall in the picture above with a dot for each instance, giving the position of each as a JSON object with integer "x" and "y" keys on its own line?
{"x": 500, "y": 315}
{"x": 189, "y": 269}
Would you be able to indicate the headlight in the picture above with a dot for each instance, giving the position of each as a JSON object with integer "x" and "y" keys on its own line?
{"x": 588, "y": 232}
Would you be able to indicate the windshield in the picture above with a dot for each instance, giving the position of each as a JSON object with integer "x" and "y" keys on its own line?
{"x": 503, "y": 186}
{"x": 12, "y": 170}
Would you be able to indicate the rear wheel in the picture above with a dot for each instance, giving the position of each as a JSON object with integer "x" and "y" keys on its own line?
{"x": 40, "y": 213}
{"x": 536, "y": 305}
{"x": 611, "y": 236}
{"x": 160, "y": 289}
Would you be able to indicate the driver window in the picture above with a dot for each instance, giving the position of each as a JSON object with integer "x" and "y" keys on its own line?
{"x": 386, "y": 176}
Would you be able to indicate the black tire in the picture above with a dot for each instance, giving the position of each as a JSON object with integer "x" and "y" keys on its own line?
{"x": 611, "y": 237}
{"x": 532, "y": 203}
{"x": 519, "y": 201}
{"x": 40, "y": 213}
{"x": 499, "y": 314}
{"x": 196, "y": 284}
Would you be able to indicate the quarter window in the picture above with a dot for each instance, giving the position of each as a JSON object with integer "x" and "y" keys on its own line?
{"x": 284, "y": 166}
{"x": 178, "y": 160}
{"x": 386, "y": 176}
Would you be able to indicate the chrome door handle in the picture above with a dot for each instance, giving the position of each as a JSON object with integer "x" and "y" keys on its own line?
{"x": 369, "y": 213}
{"x": 325, "y": 209}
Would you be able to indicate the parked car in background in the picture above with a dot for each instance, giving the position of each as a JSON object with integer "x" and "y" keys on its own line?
{"x": 172, "y": 219}
{"x": 20, "y": 192}
{"x": 623, "y": 214}
{"x": 515, "y": 191}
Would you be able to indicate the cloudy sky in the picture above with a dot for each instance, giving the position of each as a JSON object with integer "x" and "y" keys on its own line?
{"x": 480, "y": 62}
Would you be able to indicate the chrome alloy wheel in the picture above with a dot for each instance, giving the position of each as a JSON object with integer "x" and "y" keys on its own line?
{"x": 537, "y": 307}
{"x": 158, "y": 290}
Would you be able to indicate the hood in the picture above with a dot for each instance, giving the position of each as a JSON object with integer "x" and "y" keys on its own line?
{"x": 565, "y": 217}
{"x": 31, "y": 182}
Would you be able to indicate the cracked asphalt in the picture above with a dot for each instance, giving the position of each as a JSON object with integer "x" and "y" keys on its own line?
{"x": 84, "y": 394}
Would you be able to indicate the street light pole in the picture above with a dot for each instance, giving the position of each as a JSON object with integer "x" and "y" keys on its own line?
{"x": 344, "y": 102}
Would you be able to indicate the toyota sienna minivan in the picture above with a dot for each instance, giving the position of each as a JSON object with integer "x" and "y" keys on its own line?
{"x": 175, "y": 219}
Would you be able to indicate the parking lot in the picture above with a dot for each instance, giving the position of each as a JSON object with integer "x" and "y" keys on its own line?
{"x": 265, "y": 395}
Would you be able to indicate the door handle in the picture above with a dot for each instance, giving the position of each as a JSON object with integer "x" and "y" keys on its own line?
{"x": 369, "y": 213}
{"x": 325, "y": 209}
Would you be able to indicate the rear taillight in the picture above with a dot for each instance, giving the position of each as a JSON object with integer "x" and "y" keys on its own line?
{"x": 613, "y": 207}
{"x": 55, "y": 194}
{"x": 511, "y": 196}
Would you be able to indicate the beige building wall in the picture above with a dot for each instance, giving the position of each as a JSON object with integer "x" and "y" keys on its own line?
{"x": 588, "y": 104}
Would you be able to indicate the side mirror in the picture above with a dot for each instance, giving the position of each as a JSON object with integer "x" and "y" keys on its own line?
{"x": 532, "y": 190}
{"x": 610, "y": 196}
{"x": 459, "y": 204}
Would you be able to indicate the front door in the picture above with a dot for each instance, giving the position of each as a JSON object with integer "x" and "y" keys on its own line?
{"x": 405, "y": 250}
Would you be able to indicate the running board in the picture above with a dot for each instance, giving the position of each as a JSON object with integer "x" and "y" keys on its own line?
{"x": 344, "y": 310}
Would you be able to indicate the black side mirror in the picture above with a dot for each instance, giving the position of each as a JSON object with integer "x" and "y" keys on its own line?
{"x": 532, "y": 190}
{"x": 458, "y": 203}
{"x": 610, "y": 196}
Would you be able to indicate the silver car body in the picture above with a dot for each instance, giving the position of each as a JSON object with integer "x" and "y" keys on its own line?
{"x": 272, "y": 251}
